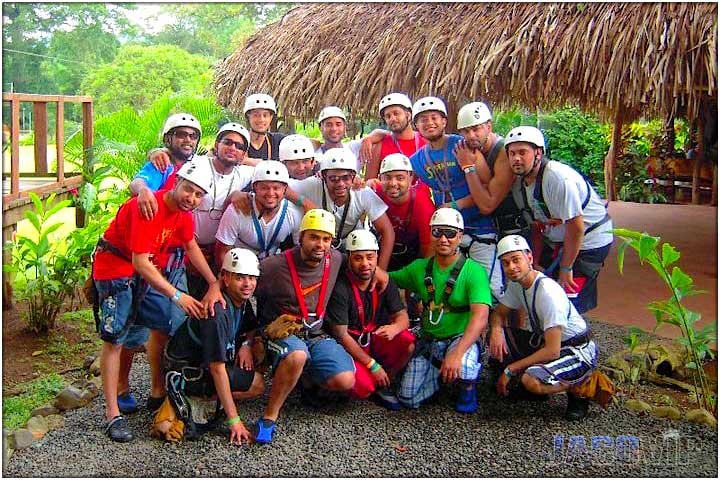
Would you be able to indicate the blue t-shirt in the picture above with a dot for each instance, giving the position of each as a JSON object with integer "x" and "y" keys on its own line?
{"x": 447, "y": 182}
{"x": 154, "y": 178}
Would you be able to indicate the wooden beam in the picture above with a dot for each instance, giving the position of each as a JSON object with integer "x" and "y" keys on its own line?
{"x": 698, "y": 161}
{"x": 87, "y": 118}
{"x": 12, "y": 200}
{"x": 41, "y": 133}
{"x": 30, "y": 97}
{"x": 60, "y": 140}
{"x": 15, "y": 145}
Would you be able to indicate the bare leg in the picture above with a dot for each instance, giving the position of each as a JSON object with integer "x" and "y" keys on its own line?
{"x": 286, "y": 376}
{"x": 533, "y": 385}
{"x": 126, "y": 359}
{"x": 109, "y": 371}
{"x": 256, "y": 389}
{"x": 154, "y": 354}
{"x": 342, "y": 382}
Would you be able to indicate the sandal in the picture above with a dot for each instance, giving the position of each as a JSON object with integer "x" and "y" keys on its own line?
{"x": 118, "y": 430}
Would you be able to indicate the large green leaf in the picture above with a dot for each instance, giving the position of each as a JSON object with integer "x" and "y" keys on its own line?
{"x": 621, "y": 255}
{"x": 681, "y": 281}
{"x": 57, "y": 207}
{"x": 670, "y": 255}
{"x": 34, "y": 220}
{"x": 647, "y": 246}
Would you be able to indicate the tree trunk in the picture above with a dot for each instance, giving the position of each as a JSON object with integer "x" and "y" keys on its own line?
{"x": 698, "y": 160}
{"x": 611, "y": 158}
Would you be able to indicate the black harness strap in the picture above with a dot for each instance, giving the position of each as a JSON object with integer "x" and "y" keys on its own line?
{"x": 449, "y": 285}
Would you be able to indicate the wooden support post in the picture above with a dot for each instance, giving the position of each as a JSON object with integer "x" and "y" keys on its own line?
{"x": 60, "y": 140}
{"x": 698, "y": 161}
{"x": 41, "y": 136}
{"x": 611, "y": 157}
{"x": 15, "y": 145}
{"x": 87, "y": 118}
{"x": 7, "y": 301}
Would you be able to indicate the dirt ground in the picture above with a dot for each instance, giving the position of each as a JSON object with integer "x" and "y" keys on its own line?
{"x": 692, "y": 229}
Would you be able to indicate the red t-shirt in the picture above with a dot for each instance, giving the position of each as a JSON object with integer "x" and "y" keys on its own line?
{"x": 418, "y": 225}
{"x": 406, "y": 147}
{"x": 131, "y": 233}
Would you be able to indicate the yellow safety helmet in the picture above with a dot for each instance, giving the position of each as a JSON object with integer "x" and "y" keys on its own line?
{"x": 318, "y": 219}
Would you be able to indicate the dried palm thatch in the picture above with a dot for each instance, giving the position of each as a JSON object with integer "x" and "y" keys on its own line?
{"x": 639, "y": 58}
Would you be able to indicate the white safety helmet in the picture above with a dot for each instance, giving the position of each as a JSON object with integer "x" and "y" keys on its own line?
{"x": 447, "y": 217}
{"x": 525, "y": 134}
{"x": 270, "y": 171}
{"x": 198, "y": 173}
{"x": 426, "y": 104}
{"x": 395, "y": 161}
{"x": 296, "y": 147}
{"x": 512, "y": 243}
{"x": 242, "y": 261}
{"x": 234, "y": 127}
{"x": 361, "y": 240}
{"x": 399, "y": 99}
{"x": 260, "y": 100}
{"x": 181, "y": 120}
{"x": 331, "y": 111}
{"x": 475, "y": 113}
{"x": 338, "y": 158}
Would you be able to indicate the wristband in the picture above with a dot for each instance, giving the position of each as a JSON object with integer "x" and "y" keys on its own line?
{"x": 300, "y": 199}
{"x": 469, "y": 169}
{"x": 176, "y": 296}
{"x": 232, "y": 421}
{"x": 508, "y": 373}
{"x": 566, "y": 269}
{"x": 453, "y": 204}
{"x": 246, "y": 343}
{"x": 370, "y": 364}
{"x": 376, "y": 366}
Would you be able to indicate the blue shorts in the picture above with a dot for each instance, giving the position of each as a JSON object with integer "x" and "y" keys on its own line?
{"x": 117, "y": 325}
{"x": 159, "y": 312}
{"x": 325, "y": 357}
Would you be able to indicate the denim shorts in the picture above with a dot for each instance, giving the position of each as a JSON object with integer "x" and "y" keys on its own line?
{"x": 325, "y": 357}
{"x": 158, "y": 311}
{"x": 117, "y": 325}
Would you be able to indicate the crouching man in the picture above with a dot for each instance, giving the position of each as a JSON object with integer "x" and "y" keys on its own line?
{"x": 371, "y": 325}
{"x": 555, "y": 351}
{"x": 218, "y": 351}
{"x": 456, "y": 294}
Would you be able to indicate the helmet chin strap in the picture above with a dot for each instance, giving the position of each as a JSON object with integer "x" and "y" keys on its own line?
{"x": 535, "y": 164}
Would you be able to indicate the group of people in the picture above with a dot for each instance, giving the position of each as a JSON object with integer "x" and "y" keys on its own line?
{"x": 316, "y": 258}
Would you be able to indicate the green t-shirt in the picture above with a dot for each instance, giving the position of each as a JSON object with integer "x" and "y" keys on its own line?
{"x": 472, "y": 286}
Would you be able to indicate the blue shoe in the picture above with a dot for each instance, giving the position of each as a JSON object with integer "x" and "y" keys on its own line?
{"x": 467, "y": 400}
{"x": 265, "y": 431}
{"x": 127, "y": 403}
{"x": 387, "y": 399}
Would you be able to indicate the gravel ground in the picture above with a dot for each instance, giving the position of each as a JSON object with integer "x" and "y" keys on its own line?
{"x": 360, "y": 439}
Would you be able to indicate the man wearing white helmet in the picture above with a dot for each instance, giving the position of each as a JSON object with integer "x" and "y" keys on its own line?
{"x": 456, "y": 296}
{"x": 409, "y": 210}
{"x": 566, "y": 210}
{"x": 483, "y": 146}
{"x": 371, "y": 325}
{"x": 270, "y": 222}
{"x": 437, "y": 166}
{"x": 219, "y": 350}
{"x": 553, "y": 351}
{"x": 139, "y": 276}
{"x": 259, "y": 111}
{"x": 180, "y": 135}
{"x": 297, "y": 152}
{"x": 333, "y": 192}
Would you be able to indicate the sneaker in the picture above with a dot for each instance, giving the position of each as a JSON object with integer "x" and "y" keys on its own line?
{"x": 467, "y": 400}
{"x": 118, "y": 430}
{"x": 265, "y": 431}
{"x": 127, "y": 403}
{"x": 387, "y": 399}
{"x": 153, "y": 403}
{"x": 577, "y": 408}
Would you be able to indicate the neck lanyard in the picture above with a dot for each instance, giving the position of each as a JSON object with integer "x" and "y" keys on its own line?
{"x": 214, "y": 195}
{"x": 365, "y": 328}
{"x": 397, "y": 143}
{"x": 444, "y": 183}
{"x": 341, "y": 225}
{"x": 320, "y": 308}
{"x": 265, "y": 249}
{"x": 268, "y": 146}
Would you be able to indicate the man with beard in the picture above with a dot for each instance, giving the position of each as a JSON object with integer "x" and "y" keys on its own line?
{"x": 482, "y": 145}
{"x": 181, "y": 133}
{"x": 259, "y": 111}
{"x": 138, "y": 269}
{"x": 299, "y": 283}
{"x": 333, "y": 193}
{"x": 456, "y": 296}
{"x": 437, "y": 166}
{"x": 370, "y": 324}
{"x": 271, "y": 220}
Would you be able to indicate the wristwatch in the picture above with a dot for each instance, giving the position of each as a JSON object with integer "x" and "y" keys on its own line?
{"x": 508, "y": 373}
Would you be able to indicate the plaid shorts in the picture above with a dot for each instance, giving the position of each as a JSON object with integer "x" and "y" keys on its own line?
{"x": 422, "y": 374}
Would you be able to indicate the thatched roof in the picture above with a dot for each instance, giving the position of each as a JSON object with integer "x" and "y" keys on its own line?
{"x": 637, "y": 57}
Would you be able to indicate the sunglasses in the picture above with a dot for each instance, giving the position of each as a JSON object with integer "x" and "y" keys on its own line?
{"x": 347, "y": 178}
{"x": 449, "y": 233}
{"x": 183, "y": 134}
{"x": 238, "y": 145}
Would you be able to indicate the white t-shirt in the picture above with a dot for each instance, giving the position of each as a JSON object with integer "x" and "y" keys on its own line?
{"x": 564, "y": 191}
{"x": 361, "y": 201}
{"x": 207, "y": 221}
{"x": 238, "y": 230}
{"x": 551, "y": 304}
{"x": 353, "y": 146}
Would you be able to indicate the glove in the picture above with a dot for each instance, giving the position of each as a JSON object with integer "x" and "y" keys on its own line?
{"x": 166, "y": 425}
{"x": 598, "y": 388}
{"x": 283, "y": 326}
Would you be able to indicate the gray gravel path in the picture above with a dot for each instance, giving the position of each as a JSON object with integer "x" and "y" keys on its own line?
{"x": 361, "y": 439}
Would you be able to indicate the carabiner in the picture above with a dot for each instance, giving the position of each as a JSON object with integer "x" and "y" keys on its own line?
{"x": 360, "y": 339}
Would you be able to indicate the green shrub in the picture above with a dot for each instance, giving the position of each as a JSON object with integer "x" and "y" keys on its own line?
{"x": 16, "y": 410}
